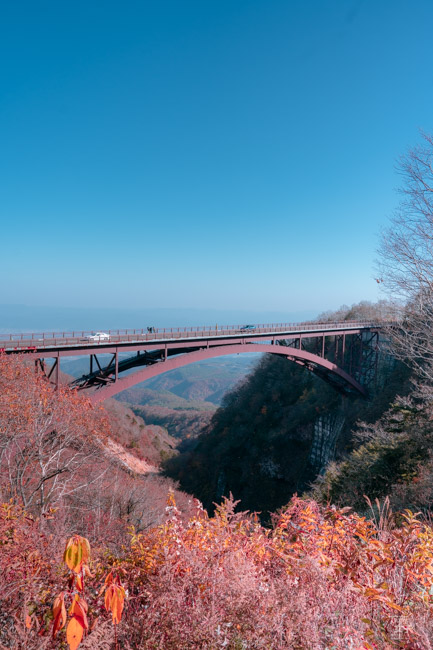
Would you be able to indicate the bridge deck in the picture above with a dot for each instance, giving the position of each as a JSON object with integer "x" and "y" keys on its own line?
{"x": 74, "y": 343}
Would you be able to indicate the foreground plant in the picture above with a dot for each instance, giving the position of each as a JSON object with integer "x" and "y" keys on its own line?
{"x": 77, "y": 557}
{"x": 322, "y": 577}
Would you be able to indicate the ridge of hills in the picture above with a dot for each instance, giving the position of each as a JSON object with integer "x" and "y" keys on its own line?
{"x": 204, "y": 381}
{"x": 179, "y": 403}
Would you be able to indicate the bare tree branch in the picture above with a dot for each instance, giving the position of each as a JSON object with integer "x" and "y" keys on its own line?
{"x": 406, "y": 262}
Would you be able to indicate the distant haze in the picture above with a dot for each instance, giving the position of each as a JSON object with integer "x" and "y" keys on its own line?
{"x": 29, "y": 318}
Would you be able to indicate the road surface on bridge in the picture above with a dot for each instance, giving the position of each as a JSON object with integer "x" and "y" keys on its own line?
{"x": 78, "y": 341}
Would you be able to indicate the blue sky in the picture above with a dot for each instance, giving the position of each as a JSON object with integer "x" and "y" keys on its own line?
{"x": 227, "y": 154}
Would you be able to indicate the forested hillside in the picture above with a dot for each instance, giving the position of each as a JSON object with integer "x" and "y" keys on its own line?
{"x": 57, "y": 452}
{"x": 95, "y": 556}
{"x": 280, "y": 428}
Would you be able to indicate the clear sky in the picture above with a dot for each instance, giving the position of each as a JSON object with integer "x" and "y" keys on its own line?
{"x": 227, "y": 154}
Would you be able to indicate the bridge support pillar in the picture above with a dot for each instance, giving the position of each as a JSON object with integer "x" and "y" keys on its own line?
{"x": 57, "y": 372}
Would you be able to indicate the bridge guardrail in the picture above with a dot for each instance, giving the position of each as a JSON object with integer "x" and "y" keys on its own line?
{"x": 39, "y": 340}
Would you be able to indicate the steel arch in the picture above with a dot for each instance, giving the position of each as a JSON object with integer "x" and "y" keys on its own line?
{"x": 328, "y": 370}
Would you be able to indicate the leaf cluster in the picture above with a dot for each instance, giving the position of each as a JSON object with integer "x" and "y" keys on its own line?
{"x": 320, "y": 577}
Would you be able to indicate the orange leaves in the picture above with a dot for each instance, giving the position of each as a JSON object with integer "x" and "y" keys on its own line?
{"x": 344, "y": 578}
{"x": 171, "y": 502}
{"x": 78, "y": 622}
{"x": 114, "y": 597}
{"x": 78, "y": 609}
{"x": 74, "y": 633}
{"x": 77, "y": 553}
{"x": 114, "y": 601}
{"x": 76, "y": 556}
{"x": 59, "y": 614}
{"x": 391, "y": 568}
{"x": 77, "y": 550}
{"x": 79, "y": 582}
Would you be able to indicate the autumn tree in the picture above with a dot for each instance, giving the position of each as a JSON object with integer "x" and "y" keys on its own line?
{"x": 49, "y": 448}
{"x": 406, "y": 261}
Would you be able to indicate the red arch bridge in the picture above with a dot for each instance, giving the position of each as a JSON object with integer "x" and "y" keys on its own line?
{"x": 345, "y": 354}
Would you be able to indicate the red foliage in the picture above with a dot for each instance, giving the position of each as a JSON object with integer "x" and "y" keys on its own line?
{"x": 321, "y": 578}
{"x": 48, "y": 439}
{"x": 29, "y": 557}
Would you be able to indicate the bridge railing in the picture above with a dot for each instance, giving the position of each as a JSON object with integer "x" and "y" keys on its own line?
{"x": 51, "y": 339}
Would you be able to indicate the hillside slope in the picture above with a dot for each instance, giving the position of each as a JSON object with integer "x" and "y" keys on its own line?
{"x": 150, "y": 443}
{"x": 276, "y": 432}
